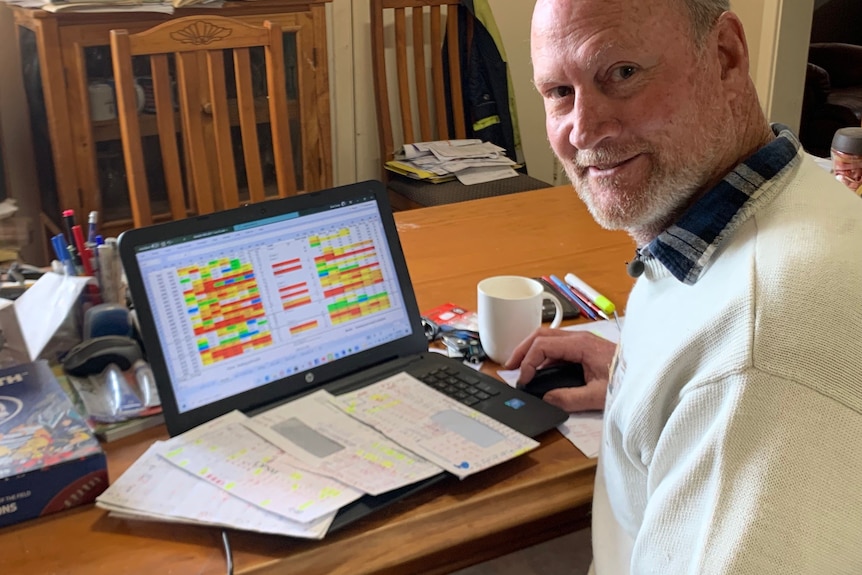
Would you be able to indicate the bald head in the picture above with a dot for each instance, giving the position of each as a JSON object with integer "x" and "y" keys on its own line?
{"x": 702, "y": 14}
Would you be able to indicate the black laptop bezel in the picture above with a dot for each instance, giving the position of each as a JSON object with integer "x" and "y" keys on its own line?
{"x": 133, "y": 241}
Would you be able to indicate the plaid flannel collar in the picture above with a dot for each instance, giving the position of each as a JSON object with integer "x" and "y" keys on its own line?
{"x": 687, "y": 246}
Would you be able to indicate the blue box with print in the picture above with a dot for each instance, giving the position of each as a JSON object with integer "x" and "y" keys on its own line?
{"x": 49, "y": 458}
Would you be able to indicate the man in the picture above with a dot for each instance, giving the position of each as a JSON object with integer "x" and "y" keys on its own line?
{"x": 733, "y": 416}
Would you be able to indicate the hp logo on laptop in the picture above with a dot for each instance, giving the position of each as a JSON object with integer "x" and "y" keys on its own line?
{"x": 309, "y": 377}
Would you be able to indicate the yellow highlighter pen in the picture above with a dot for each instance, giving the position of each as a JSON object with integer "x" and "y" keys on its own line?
{"x": 601, "y": 301}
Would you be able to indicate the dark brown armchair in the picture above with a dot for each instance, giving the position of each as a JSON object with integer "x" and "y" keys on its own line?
{"x": 833, "y": 94}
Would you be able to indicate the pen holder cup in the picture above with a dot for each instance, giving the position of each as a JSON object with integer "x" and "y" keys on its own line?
{"x": 107, "y": 319}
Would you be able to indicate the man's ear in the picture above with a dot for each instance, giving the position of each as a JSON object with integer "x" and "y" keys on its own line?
{"x": 732, "y": 48}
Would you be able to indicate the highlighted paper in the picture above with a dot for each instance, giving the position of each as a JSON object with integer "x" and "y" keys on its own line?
{"x": 325, "y": 440}
{"x": 153, "y": 488}
{"x": 240, "y": 462}
{"x": 584, "y": 430}
{"x": 457, "y": 438}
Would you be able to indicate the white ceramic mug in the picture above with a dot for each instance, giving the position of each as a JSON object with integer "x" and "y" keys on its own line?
{"x": 103, "y": 100}
{"x": 510, "y": 309}
{"x": 102, "y": 104}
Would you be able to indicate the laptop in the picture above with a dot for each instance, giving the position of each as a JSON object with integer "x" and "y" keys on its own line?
{"x": 252, "y": 307}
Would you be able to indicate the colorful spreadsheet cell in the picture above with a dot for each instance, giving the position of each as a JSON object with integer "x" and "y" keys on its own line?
{"x": 225, "y": 309}
{"x": 286, "y": 266}
{"x": 346, "y": 309}
{"x": 303, "y": 327}
{"x": 350, "y": 275}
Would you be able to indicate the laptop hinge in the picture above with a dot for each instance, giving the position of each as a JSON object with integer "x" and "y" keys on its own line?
{"x": 363, "y": 376}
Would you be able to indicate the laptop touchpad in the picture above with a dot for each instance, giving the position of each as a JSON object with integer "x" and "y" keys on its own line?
{"x": 468, "y": 428}
{"x": 307, "y": 438}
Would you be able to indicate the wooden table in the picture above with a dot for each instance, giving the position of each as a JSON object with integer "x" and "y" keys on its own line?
{"x": 535, "y": 497}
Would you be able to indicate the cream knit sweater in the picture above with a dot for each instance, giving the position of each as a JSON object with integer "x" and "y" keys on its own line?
{"x": 733, "y": 426}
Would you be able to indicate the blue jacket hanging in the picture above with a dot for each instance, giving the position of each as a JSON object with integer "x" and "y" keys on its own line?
{"x": 485, "y": 83}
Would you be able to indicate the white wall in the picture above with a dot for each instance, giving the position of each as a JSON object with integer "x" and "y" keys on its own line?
{"x": 777, "y": 32}
{"x": 513, "y": 20}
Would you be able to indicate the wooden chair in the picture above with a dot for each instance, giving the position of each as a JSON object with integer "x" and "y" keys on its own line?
{"x": 413, "y": 109}
{"x": 193, "y": 50}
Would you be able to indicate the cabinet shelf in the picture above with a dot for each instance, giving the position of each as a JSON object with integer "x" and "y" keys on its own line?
{"x": 107, "y": 130}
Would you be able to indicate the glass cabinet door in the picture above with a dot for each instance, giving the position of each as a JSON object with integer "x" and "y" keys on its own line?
{"x": 113, "y": 200}
{"x": 32, "y": 76}
{"x": 68, "y": 78}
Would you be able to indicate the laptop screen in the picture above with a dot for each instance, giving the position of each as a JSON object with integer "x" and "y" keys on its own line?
{"x": 298, "y": 290}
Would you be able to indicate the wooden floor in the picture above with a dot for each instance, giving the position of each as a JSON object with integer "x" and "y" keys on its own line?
{"x": 567, "y": 555}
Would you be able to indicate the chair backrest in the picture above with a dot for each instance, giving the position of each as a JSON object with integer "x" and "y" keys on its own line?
{"x": 193, "y": 52}
{"x": 419, "y": 95}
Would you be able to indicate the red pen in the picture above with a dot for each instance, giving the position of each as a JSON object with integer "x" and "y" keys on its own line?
{"x": 87, "y": 263}
{"x": 587, "y": 301}
{"x": 86, "y": 254}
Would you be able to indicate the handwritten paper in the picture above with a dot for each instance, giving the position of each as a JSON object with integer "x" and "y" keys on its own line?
{"x": 325, "y": 440}
{"x": 584, "y": 430}
{"x": 608, "y": 329}
{"x": 240, "y": 462}
{"x": 153, "y": 488}
{"x": 458, "y": 439}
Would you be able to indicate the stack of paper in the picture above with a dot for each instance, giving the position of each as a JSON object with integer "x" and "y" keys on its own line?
{"x": 15, "y": 231}
{"x": 160, "y": 6}
{"x": 289, "y": 470}
{"x": 470, "y": 161}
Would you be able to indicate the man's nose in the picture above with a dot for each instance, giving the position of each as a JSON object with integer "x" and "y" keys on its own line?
{"x": 594, "y": 119}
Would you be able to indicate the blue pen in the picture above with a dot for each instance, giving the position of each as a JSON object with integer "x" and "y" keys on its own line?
{"x": 59, "y": 246}
{"x": 92, "y": 222}
{"x": 572, "y": 297}
{"x": 59, "y": 243}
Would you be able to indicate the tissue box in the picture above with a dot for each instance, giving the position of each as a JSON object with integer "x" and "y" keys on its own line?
{"x": 49, "y": 458}
{"x": 44, "y": 322}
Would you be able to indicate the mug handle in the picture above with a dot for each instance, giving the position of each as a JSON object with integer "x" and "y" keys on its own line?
{"x": 558, "y": 314}
{"x": 141, "y": 96}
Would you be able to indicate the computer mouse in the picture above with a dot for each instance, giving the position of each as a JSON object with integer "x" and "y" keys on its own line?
{"x": 553, "y": 377}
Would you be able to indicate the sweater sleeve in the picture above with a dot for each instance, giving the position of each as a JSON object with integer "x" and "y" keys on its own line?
{"x": 754, "y": 475}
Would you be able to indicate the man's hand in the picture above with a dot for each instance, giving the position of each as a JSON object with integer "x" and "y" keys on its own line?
{"x": 546, "y": 347}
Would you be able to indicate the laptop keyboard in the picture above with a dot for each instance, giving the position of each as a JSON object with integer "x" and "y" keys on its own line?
{"x": 463, "y": 387}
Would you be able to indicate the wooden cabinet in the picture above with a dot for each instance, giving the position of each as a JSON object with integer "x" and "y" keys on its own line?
{"x": 79, "y": 160}
{"x": 4, "y": 185}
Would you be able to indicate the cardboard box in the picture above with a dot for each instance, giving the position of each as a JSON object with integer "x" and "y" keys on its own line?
{"x": 49, "y": 458}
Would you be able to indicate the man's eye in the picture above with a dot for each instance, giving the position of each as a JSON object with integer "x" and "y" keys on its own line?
{"x": 624, "y": 72}
{"x": 559, "y": 92}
